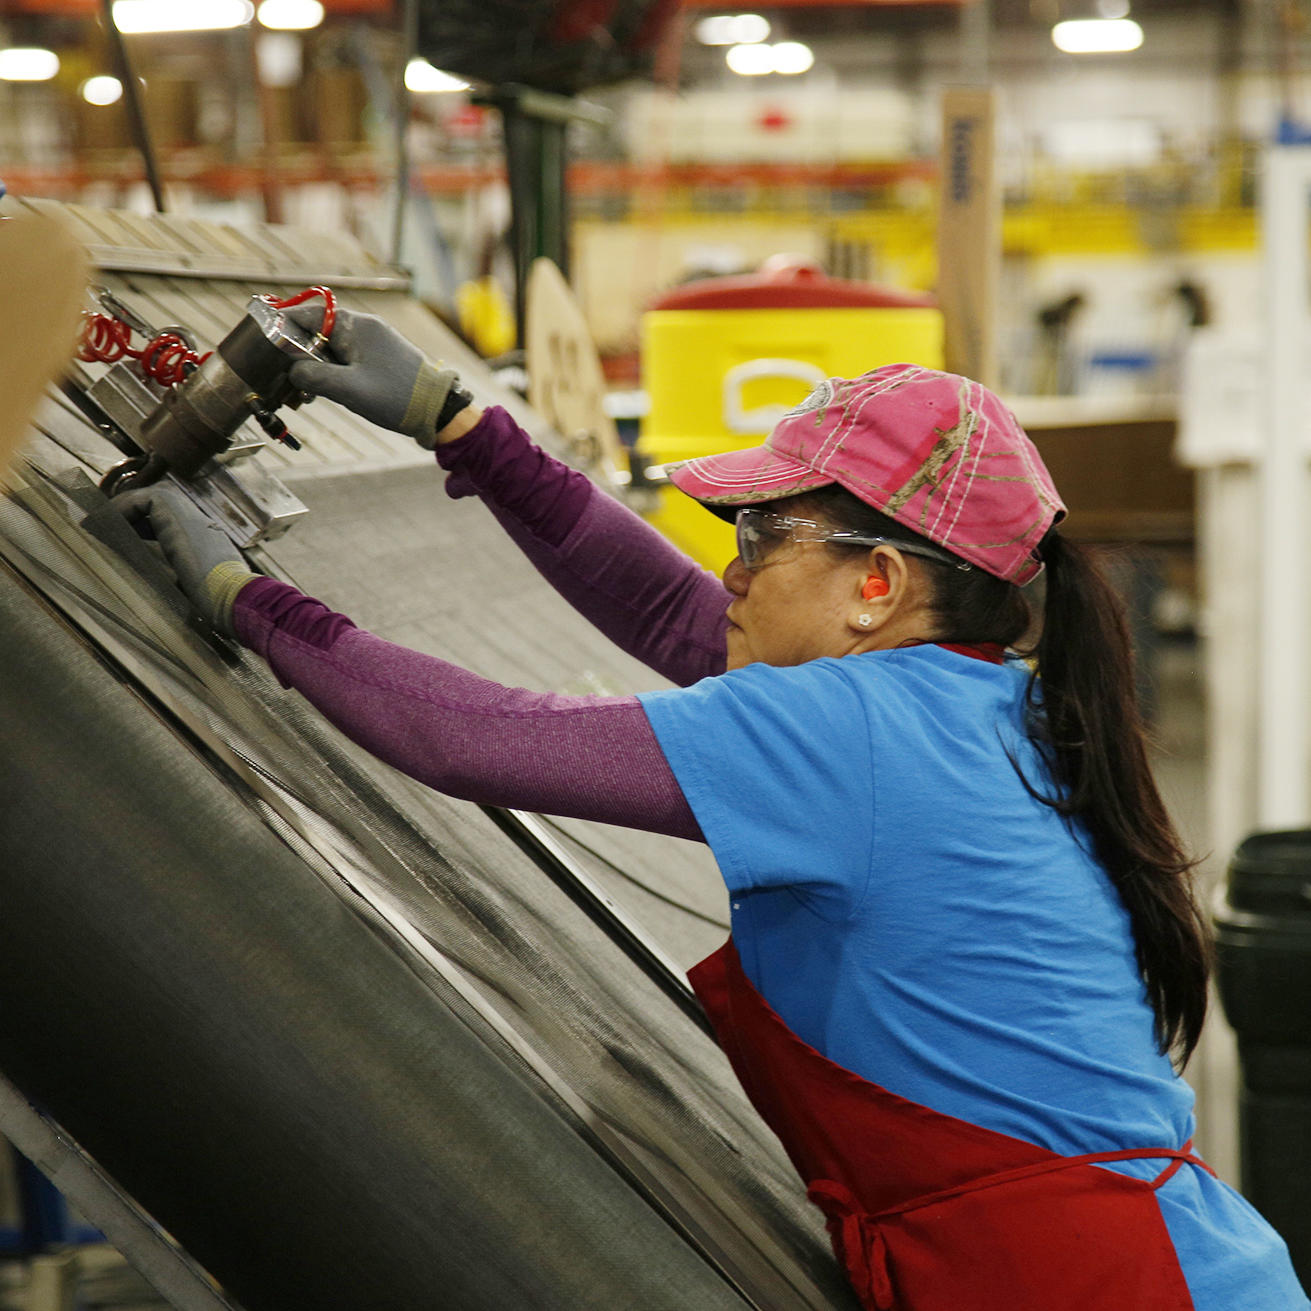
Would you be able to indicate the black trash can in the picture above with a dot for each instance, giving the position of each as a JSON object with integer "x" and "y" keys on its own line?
{"x": 1263, "y": 937}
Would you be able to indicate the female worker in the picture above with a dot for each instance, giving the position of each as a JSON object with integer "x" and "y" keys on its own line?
{"x": 964, "y": 938}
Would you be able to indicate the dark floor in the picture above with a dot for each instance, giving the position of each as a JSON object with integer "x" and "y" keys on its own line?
{"x": 94, "y": 1278}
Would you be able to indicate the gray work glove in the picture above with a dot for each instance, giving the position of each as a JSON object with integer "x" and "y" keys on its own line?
{"x": 210, "y": 570}
{"x": 381, "y": 376}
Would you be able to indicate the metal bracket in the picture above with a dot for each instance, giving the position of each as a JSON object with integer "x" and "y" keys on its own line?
{"x": 252, "y": 505}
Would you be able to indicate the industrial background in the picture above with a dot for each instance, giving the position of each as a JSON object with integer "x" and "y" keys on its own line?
{"x": 1128, "y": 267}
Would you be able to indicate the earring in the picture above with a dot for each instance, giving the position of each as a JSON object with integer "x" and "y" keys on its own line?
{"x": 865, "y": 620}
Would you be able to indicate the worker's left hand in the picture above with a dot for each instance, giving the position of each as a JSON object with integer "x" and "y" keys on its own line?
{"x": 381, "y": 376}
{"x": 210, "y": 570}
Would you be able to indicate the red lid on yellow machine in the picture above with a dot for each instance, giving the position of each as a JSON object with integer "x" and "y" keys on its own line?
{"x": 787, "y": 282}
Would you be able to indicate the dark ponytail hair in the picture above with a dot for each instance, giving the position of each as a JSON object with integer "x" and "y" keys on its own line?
{"x": 1090, "y": 730}
{"x": 1084, "y": 719}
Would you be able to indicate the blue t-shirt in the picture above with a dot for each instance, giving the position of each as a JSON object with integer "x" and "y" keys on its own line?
{"x": 909, "y": 908}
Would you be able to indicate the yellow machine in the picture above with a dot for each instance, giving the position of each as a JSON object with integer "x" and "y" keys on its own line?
{"x": 724, "y": 358}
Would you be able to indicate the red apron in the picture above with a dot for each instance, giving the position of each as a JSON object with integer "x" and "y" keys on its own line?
{"x": 931, "y": 1213}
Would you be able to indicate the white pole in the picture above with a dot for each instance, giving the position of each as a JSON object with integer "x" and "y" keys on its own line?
{"x": 1285, "y": 662}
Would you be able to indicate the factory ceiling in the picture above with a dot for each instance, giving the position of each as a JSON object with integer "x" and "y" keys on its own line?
{"x": 820, "y": 20}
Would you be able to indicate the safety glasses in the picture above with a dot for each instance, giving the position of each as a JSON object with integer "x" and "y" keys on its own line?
{"x": 760, "y": 532}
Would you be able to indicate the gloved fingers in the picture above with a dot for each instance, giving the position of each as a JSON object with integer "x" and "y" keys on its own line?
{"x": 308, "y": 315}
{"x": 161, "y": 513}
{"x": 319, "y": 378}
{"x": 179, "y": 525}
{"x": 347, "y": 332}
{"x": 153, "y": 505}
{"x": 134, "y": 506}
{"x": 377, "y": 373}
{"x": 208, "y": 567}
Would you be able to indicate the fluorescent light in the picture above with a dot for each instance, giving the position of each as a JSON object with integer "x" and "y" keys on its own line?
{"x": 1097, "y": 36}
{"x": 792, "y": 57}
{"x": 28, "y": 64}
{"x": 134, "y": 16}
{"x": 716, "y": 30}
{"x": 757, "y": 60}
{"x": 732, "y": 29}
{"x": 750, "y": 61}
{"x": 423, "y": 78}
{"x": 102, "y": 90}
{"x": 290, "y": 15}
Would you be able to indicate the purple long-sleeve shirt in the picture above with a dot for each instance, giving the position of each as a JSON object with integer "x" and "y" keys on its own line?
{"x": 589, "y": 757}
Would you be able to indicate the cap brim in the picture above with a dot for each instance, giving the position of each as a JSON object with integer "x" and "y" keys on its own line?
{"x": 723, "y": 482}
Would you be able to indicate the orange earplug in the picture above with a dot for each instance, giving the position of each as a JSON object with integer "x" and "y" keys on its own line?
{"x": 874, "y": 586}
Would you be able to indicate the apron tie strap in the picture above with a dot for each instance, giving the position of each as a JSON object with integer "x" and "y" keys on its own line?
{"x": 1177, "y": 1156}
{"x": 859, "y": 1242}
{"x": 1185, "y": 1156}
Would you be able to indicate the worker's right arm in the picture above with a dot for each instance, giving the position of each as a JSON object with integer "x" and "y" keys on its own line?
{"x": 634, "y": 585}
{"x": 608, "y": 563}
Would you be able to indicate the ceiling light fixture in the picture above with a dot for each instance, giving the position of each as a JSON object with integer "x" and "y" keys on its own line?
{"x": 101, "y": 90}
{"x": 421, "y": 77}
{"x": 792, "y": 57}
{"x": 290, "y": 15}
{"x": 28, "y": 64}
{"x": 1097, "y": 36}
{"x": 750, "y": 60}
{"x": 139, "y": 16}
{"x": 787, "y": 57}
{"x": 732, "y": 29}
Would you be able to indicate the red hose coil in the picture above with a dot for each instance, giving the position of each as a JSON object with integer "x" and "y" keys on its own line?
{"x": 329, "y": 306}
{"x": 164, "y": 358}
{"x": 103, "y": 338}
{"x": 167, "y": 358}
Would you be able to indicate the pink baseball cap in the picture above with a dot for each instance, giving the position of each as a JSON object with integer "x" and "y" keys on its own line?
{"x": 934, "y": 451}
